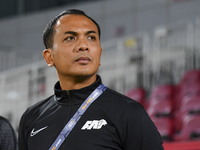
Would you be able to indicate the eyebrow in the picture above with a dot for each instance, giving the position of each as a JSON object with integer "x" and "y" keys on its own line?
{"x": 91, "y": 32}
{"x": 71, "y": 32}
{"x": 75, "y": 33}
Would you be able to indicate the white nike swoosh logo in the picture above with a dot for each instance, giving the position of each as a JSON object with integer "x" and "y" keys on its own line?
{"x": 35, "y": 132}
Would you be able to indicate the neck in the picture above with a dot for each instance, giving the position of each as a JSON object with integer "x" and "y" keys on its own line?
{"x": 73, "y": 83}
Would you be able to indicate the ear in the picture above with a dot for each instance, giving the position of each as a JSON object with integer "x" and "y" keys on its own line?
{"x": 100, "y": 56}
{"x": 101, "y": 52}
{"x": 48, "y": 56}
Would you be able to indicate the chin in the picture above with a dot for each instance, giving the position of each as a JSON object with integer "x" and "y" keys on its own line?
{"x": 85, "y": 74}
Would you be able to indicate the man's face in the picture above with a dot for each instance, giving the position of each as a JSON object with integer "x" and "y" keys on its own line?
{"x": 76, "y": 46}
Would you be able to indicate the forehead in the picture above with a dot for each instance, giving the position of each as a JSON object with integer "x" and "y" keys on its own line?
{"x": 75, "y": 22}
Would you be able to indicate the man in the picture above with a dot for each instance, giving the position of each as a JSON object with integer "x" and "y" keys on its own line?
{"x": 111, "y": 122}
{"x": 8, "y": 140}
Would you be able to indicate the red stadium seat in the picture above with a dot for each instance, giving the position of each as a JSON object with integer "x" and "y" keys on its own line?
{"x": 161, "y": 100}
{"x": 190, "y": 129}
{"x": 190, "y": 91}
{"x": 137, "y": 94}
{"x": 165, "y": 127}
{"x": 188, "y": 106}
{"x": 191, "y": 77}
{"x": 159, "y": 108}
{"x": 163, "y": 92}
{"x": 186, "y": 92}
{"x": 190, "y": 80}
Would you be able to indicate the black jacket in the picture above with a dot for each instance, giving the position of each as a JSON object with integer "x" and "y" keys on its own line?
{"x": 8, "y": 139}
{"x": 112, "y": 122}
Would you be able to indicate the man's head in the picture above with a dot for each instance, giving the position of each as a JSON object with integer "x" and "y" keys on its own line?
{"x": 49, "y": 31}
{"x": 73, "y": 46}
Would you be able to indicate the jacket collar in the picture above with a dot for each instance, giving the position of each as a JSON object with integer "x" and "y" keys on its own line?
{"x": 74, "y": 96}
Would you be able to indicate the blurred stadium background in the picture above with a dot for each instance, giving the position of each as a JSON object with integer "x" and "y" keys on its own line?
{"x": 151, "y": 53}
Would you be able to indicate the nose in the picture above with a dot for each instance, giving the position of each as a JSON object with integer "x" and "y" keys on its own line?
{"x": 82, "y": 45}
{"x": 83, "y": 49}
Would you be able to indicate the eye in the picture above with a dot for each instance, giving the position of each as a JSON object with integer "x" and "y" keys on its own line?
{"x": 92, "y": 38}
{"x": 70, "y": 38}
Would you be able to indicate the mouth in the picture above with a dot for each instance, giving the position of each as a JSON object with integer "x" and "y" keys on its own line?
{"x": 83, "y": 60}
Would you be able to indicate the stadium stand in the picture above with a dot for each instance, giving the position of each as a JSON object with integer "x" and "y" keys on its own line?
{"x": 175, "y": 109}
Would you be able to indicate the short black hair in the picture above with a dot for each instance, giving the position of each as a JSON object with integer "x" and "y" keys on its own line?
{"x": 48, "y": 32}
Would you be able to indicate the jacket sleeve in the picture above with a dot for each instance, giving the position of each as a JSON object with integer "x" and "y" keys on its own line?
{"x": 138, "y": 130}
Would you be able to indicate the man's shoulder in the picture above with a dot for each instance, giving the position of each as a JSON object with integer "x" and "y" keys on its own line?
{"x": 3, "y": 121}
{"x": 119, "y": 100}
{"x": 114, "y": 95}
{"x": 5, "y": 125}
{"x": 118, "y": 106}
{"x": 39, "y": 106}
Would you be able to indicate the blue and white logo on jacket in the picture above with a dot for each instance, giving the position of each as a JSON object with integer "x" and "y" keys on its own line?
{"x": 95, "y": 124}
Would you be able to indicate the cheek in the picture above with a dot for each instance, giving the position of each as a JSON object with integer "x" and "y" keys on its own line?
{"x": 99, "y": 56}
{"x": 97, "y": 61}
{"x": 62, "y": 58}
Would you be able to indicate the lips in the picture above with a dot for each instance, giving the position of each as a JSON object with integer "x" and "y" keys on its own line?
{"x": 83, "y": 60}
